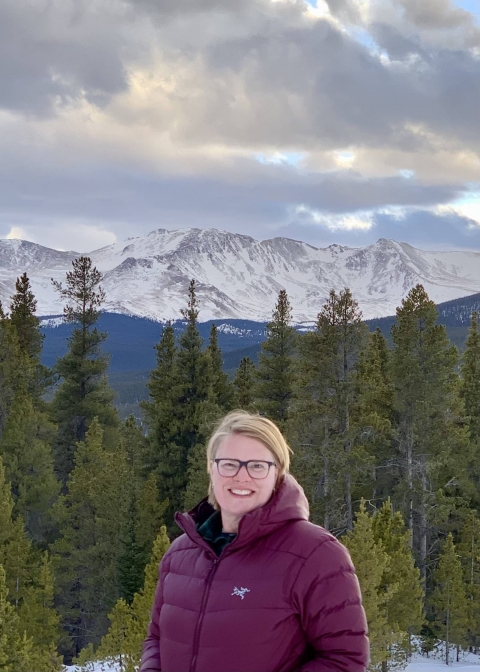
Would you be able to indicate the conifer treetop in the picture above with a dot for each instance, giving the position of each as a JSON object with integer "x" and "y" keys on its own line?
{"x": 22, "y": 314}
{"x": 82, "y": 291}
{"x": 190, "y": 313}
{"x": 340, "y": 310}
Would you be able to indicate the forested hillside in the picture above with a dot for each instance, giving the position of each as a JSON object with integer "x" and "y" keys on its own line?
{"x": 386, "y": 443}
{"x": 131, "y": 341}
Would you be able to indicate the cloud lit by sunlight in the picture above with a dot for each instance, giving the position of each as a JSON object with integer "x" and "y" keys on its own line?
{"x": 16, "y": 232}
{"x": 468, "y": 207}
{"x": 361, "y": 221}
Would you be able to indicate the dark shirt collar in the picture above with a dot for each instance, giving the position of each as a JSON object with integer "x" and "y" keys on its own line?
{"x": 211, "y": 531}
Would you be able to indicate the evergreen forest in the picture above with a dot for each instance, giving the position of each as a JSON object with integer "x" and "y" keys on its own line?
{"x": 385, "y": 439}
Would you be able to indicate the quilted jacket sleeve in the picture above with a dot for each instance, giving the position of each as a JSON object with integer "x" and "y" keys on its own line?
{"x": 151, "y": 646}
{"x": 327, "y": 594}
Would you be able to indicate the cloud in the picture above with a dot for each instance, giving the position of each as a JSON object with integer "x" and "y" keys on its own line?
{"x": 54, "y": 53}
{"x": 425, "y": 229}
{"x": 16, "y": 232}
{"x": 360, "y": 221}
{"x": 468, "y": 207}
{"x": 122, "y": 115}
{"x": 64, "y": 235}
{"x": 435, "y": 14}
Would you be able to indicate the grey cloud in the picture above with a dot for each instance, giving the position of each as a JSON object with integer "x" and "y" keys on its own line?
{"x": 346, "y": 10}
{"x": 255, "y": 75}
{"x": 51, "y": 51}
{"x": 246, "y": 192}
{"x": 259, "y": 203}
{"x": 398, "y": 46}
{"x": 435, "y": 14}
{"x": 262, "y": 73}
{"x": 422, "y": 229}
{"x": 316, "y": 86}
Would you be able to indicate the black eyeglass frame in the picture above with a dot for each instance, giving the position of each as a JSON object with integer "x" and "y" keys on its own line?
{"x": 245, "y": 464}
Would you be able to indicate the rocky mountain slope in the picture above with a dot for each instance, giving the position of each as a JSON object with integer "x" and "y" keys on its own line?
{"x": 239, "y": 277}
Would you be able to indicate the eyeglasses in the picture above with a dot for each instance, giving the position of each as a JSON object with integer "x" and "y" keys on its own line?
{"x": 257, "y": 469}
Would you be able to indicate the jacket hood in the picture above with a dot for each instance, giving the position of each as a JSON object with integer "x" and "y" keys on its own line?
{"x": 287, "y": 505}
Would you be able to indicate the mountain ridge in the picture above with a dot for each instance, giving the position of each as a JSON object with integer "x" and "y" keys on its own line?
{"x": 238, "y": 277}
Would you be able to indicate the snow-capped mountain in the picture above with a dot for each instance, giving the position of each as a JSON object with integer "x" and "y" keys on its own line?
{"x": 239, "y": 277}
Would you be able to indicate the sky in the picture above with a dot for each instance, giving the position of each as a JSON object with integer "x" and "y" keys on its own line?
{"x": 328, "y": 121}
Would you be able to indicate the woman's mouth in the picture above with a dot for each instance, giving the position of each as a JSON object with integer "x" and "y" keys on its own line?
{"x": 241, "y": 493}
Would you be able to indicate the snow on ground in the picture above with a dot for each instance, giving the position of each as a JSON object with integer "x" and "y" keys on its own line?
{"x": 435, "y": 663}
{"x": 468, "y": 663}
{"x": 97, "y": 667}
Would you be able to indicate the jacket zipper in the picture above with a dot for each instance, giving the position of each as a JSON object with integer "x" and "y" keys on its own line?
{"x": 196, "y": 639}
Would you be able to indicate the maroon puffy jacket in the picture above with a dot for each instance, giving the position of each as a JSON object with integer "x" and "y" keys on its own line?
{"x": 282, "y": 597}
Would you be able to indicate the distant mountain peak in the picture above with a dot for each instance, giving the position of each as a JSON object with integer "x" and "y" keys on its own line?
{"x": 240, "y": 277}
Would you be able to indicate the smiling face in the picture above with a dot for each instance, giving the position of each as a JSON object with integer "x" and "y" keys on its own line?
{"x": 237, "y": 495}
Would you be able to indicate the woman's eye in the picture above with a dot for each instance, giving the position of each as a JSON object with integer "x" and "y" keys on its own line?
{"x": 257, "y": 466}
{"x": 229, "y": 465}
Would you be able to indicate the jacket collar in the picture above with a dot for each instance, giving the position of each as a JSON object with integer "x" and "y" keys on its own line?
{"x": 286, "y": 505}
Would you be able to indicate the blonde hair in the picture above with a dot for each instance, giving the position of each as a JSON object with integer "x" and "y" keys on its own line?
{"x": 256, "y": 427}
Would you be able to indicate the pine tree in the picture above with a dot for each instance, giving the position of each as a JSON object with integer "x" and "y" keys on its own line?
{"x": 198, "y": 478}
{"x": 25, "y": 433}
{"x": 275, "y": 373}
{"x": 116, "y": 647}
{"x": 84, "y": 392}
{"x": 371, "y": 563}
{"x": 135, "y": 444}
{"x": 22, "y": 580}
{"x": 194, "y": 386}
{"x": 132, "y": 561}
{"x": 470, "y": 392}
{"x": 178, "y": 421}
{"x": 428, "y": 431}
{"x": 160, "y": 416}
{"x": 128, "y": 624}
{"x": 15, "y": 547}
{"x": 26, "y": 449}
{"x": 220, "y": 398}
{"x": 145, "y": 512}
{"x": 160, "y": 386}
{"x": 222, "y": 391}
{"x": 208, "y": 415}
{"x": 15, "y": 649}
{"x": 30, "y": 339}
{"x": 405, "y": 606}
{"x": 15, "y": 369}
{"x": 150, "y": 515}
{"x": 142, "y": 602}
{"x": 328, "y": 458}
{"x": 92, "y": 518}
{"x": 244, "y": 384}
{"x": 470, "y": 378}
{"x": 372, "y": 414}
{"x": 449, "y": 600}
{"x": 40, "y": 621}
{"x": 468, "y": 550}
{"x": 22, "y": 315}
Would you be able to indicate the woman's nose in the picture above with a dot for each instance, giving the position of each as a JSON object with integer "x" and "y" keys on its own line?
{"x": 245, "y": 474}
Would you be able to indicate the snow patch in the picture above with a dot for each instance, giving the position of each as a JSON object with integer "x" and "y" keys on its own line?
{"x": 468, "y": 663}
{"x": 52, "y": 322}
{"x": 230, "y": 329}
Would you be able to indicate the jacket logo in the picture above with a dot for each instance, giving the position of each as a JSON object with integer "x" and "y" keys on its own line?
{"x": 240, "y": 592}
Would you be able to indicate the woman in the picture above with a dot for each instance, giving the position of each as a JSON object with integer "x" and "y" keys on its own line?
{"x": 252, "y": 586}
